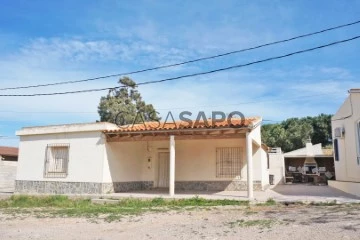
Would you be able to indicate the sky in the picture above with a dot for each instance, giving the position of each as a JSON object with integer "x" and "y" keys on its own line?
{"x": 53, "y": 41}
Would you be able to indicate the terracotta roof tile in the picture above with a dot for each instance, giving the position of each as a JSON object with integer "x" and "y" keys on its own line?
{"x": 9, "y": 151}
{"x": 156, "y": 126}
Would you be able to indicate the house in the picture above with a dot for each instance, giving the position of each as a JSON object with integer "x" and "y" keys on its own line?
{"x": 313, "y": 163}
{"x": 346, "y": 140}
{"x": 98, "y": 158}
{"x": 8, "y": 163}
{"x": 9, "y": 153}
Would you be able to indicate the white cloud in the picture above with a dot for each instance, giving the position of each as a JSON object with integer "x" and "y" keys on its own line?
{"x": 271, "y": 91}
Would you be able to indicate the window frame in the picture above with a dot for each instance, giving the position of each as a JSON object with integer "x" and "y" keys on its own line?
{"x": 48, "y": 170}
{"x": 236, "y": 162}
{"x": 336, "y": 150}
{"x": 357, "y": 127}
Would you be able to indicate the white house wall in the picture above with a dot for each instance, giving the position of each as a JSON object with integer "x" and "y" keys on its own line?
{"x": 264, "y": 168}
{"x": 97, "y": 166}
{"x": 277, "y": 167}
{"x": 86, "y": 158}
{"x": 129, "y": 166}
{"x": 347, "y": 170}
{"x": 125, "y": 161}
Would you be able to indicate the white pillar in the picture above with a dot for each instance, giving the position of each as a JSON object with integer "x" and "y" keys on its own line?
{"x": 249, "y": 161}
{"x": 172, "y": 166}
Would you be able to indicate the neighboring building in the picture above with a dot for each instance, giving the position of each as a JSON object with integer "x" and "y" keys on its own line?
{"x": 104, "y": 158}
{"x": 309, "y": 164}
{"x": 346, "y": 139}
{"x": 8, "y": 162}
{"x": 9, "y": 153}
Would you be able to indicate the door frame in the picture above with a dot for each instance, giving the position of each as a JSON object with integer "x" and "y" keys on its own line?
{"x": 158, "y": 168}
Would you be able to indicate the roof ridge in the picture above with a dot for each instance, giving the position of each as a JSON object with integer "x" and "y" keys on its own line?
{"x": 250, "y": 122}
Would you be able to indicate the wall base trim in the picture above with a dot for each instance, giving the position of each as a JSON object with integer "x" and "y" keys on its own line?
{"x": 58, "y": 187}
{"x": 230, "y": 185}
{"x": 352, "y": 188}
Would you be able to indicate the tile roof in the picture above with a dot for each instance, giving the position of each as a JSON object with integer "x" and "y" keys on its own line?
{"x": 170, "y": 125}
{"x": 9, "y": 151}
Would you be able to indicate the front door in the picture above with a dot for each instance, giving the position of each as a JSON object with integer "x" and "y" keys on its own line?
{"x": 163, "y": 170}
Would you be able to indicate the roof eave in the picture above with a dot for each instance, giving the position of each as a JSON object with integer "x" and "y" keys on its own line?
{"x": 179, "y": 130}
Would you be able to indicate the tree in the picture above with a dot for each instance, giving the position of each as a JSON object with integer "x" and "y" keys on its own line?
{"x": 125, "y": 105}
{"x": 274, "y": 135}
{"x": 322, "y": 129}
{"x": 293, "y": 133}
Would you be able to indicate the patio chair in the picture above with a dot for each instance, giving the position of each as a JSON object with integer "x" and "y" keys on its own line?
{"x": 315, "y": 170}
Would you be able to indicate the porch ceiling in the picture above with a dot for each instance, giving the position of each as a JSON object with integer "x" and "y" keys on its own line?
{"x": 181, "y": 134}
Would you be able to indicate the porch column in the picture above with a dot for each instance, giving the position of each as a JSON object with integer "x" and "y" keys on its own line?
{"x": 249, "y": 161}
{"x": 172, "y": 166}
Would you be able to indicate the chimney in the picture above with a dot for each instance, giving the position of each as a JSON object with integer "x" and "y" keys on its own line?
{"x": 309, "y": 148}
{"x": 309, "y": 160}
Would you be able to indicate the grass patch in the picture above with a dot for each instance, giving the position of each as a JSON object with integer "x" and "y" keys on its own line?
{"x": 62, "y": 206}
{"x": 269, "y": 202}
{"x": 331, "y": 203}
{"x": 262, "y": 223}
{"x": 24, "y": 201}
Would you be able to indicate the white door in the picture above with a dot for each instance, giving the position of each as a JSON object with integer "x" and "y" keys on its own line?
{"x": 163, "y": 170}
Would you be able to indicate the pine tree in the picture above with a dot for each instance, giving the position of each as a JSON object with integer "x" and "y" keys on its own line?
{"x": 125, "y": 105}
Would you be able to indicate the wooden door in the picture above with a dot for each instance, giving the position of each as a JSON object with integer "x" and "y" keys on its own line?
{"x": 163, "y": 170}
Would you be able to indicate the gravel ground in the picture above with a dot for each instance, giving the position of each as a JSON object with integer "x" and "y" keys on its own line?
{"x": 257, "y": 222}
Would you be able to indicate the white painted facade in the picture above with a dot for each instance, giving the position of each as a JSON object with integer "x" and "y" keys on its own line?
{"x": 195, "y": 160}
{"x": 7, "y": 176}
{"x": 277, "y": 166}
{"x": 94, "y": 160}
{"x": 347, "y": 166}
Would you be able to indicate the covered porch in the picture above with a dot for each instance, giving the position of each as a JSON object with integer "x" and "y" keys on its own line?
{"x": 193, "y": 159}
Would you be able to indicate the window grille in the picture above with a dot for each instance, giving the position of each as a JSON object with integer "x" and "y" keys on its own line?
{"x": 56, "y": 160}
{"x": 228, "y": 162}
{"x": 358, "y": 142}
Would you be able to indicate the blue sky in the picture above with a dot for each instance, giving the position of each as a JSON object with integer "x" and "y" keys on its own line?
{"x": 48, "y": 41}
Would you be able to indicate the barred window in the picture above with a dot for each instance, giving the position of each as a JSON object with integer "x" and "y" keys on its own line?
{"x": 358, "y": 142}
{"x": 56, "y": 161}
{"x": 228, "y": 162}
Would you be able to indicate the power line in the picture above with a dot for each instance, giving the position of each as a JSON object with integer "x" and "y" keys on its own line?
{"x": 7, "y": 137}
{"x": 251, "y": 63}
{"x": 251, "y": 102}
{"x": 186, "y": 62}
{"x": 190, "y": 107}
{"x": 188, "y": 75}
{"x": 60, "y": 93}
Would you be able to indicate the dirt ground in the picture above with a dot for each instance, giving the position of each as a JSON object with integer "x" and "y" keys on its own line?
{"x": 285, "y": 222}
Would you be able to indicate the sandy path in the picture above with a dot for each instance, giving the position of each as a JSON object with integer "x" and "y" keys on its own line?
{"x": 217, "y": 223}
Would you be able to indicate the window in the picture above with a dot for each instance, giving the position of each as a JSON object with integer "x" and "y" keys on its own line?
{"x": 336, "y": 149}
{"x": 56, "y": 161}
{"x": 228, "y": 162}
{"x": 358, "y": 142}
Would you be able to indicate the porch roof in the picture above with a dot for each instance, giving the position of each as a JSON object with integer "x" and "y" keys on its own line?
{"x": 183, "y": 129}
